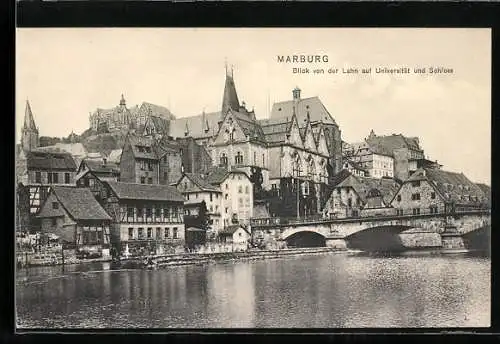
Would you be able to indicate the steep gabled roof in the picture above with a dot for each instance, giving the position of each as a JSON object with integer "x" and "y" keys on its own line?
{"x": 387, "y": 144}
{"x": 250, "y": 128}
{"x": 201, "y": 182}
{"x": 142, "y": 147}
{"x": 149, "y": 192}
{"x": 317, "y": 110}
{"x": 80, "y": 204}
{"x": 101, "y": 167}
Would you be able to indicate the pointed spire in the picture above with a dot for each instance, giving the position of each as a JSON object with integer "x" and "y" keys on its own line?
{"x": 186, "y": 130}
{"x": 206, "y": 127}
{"x": 122, "y": 101}
{"x": 29, "y": 122}
{"x": 230, "y": 97}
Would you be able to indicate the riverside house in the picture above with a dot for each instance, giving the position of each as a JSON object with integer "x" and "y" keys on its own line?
{"x": 236, "y": 236}
{"x": 146, "y": 218}
{"x": 74, "y": 215}
{"x": 429, "y": 190}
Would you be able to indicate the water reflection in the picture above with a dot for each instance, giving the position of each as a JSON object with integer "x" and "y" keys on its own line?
{"x": 337, "y": 290}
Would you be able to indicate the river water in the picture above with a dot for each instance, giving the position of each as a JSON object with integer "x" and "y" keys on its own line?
{"x": 333, "y": 290}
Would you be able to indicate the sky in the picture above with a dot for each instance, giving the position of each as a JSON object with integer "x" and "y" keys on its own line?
{"x": 67, "y": 73}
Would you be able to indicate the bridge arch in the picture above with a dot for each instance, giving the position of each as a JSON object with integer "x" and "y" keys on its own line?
{"x": 306, "y": 239}
{"x": 378, "y": 238}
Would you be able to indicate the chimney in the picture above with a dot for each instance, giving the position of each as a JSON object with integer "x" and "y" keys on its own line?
{"x": 296, "y": 93}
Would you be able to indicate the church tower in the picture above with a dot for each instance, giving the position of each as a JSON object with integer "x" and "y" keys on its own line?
{"x": 230, "y": 98}
{"x": 29, "y": 134}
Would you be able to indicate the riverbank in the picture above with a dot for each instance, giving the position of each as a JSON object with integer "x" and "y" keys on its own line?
{"x": 223, "y": 257}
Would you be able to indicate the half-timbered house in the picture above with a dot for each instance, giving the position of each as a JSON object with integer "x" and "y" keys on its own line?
{"x": 146, "y": 218}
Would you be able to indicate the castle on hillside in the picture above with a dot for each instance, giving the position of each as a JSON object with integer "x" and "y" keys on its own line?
{"x": 124, "y": 118}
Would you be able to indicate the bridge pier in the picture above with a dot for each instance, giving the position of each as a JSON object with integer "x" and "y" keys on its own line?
{"x": 338, "y": 243}
{"x": 451, "y": 239}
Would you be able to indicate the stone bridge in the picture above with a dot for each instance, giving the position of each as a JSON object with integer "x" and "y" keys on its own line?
{"x": 336, "y": 231}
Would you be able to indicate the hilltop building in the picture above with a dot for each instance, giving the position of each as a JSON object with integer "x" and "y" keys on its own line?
{"x": 393, "y": 155}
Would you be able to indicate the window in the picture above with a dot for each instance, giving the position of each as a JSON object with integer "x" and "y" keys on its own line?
{"x": 66, "y": 178}
{"x": 196, "y": 195}
{"x": 246, "y": 189}
{"x": 240, "y": 189}
{"x": 55, "y": 178}
{"x": 130, "y": 233}
{"x": 223, "y": 159}
{"x": 158, "y": 233}
{"x": 187, "y": 197}
{"x": 150, "y": 165}
{"x": 273, "y": 187}
{"x": 143, "y": 180}
{"x": 262, "y": 159}
{"x": 238, "y": 159}
{"x": 255, "y": 158}
{"x": 185, "y": 185}
{"x": 54, "y": 221}
{"x": 240, "y": 201}
{"x": 157, "y": 213}
{"x": 415, "y": 197}
{"x": 416, "y": 211}
{"x": 433, "y": 195}
{"x": 150, "y": 180}
{"x": 226, "y": 210}
{"x": 216, "y": 208}
{"x": 38, "y": 177}
{"x": 139, "y": 212}
{"x": 399, "y": 212}
{"x": 49, "y": 177}
{"x": 149, "y": 212}
{"x": 130, "y": 212}
{"x": 226, "y": 196}
{"x": 140, "y": 233}
{"x": 150, "y": 233}
{"x": 227, "y": 186}
{"x": 86, "y": 182}
{"x": 398, "y": 198}
{"x": 175, "y": 234}
{"x": 211, "y": 199}
{"x": 433, "y": 209}
{"x": 55, "y": 205}
{"x": 167, "y": 232}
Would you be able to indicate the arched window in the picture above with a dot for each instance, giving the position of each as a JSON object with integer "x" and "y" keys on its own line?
{"x": 223, "y": 159}
{"x": 238, "y": 159}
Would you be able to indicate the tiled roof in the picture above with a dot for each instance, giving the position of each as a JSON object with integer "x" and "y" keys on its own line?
{"x": 156, "y": 192}
{"x": 387, "y": 144}
{"x": 250, "y": 127}
{"x": 196, "y": 125}
{"x": 201, "y": 182}
{"x": 156, "y": 110}
{"x": 451, "y": 185}
{"x": 38, "y": 160}
{"x": 217, "y": 175}
{"x": 100, "y": 167}
{"x": 78, "y": 202}
{"x": 485, "y": 188}
{"x": 276, "y": 129}
{"x": 339, "y": 177}
{"x": 229, "y": 230}
{"x": 363, "y": 185}
{"x": 317, "y": 111}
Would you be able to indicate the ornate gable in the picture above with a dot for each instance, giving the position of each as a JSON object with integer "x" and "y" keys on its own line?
{"x": 322, "y": 146}
{"x": 294, "y": 134}
{"x": 230, "y": 130}
{"x": 309, "y": 142}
